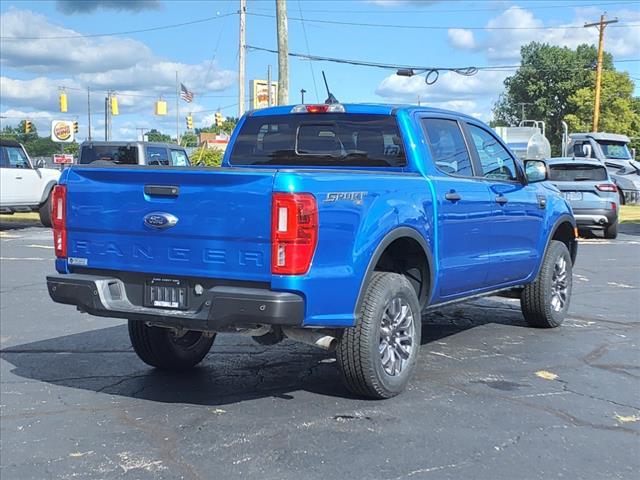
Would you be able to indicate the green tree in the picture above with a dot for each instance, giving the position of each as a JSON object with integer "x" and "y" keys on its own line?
{"x": 228, "y": 125}
{"x": 154, "y": 135}
{"x": 189, "y": 139}
{"x": 619, "y": 112}
{"x": 207, "y": 157}
{"x": 548, "y": 75}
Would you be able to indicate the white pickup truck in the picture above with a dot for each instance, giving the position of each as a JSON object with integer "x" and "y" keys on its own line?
{"x": 23, "y": 186}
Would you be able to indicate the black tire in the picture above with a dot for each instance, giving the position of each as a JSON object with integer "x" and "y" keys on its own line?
{"x": 45, "y": 212}
{"x": 621, "y": 195}
{"x": 611, "y": 231}
{"x": 358, "y": 352}
{"x": 160, "y": 348}
{"x": 537, "y": 298}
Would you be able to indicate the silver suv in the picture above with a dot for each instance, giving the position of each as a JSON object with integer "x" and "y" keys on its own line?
{"x": 586, "y": 186}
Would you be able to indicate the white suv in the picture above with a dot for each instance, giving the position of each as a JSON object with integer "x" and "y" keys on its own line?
{"x": 23, "y": 187}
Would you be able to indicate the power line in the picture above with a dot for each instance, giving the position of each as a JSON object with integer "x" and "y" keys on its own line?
{"x": 428, "y": 27}
{"x": 127, "y": 32}
{"x": 306, "y": 41}
{"x": 488, "y": 9}
{"x": 215, "y": 51}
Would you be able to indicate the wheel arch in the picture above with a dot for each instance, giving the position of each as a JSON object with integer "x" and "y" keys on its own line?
{"x": 47, "y": 190}
{"x": 413, "y": 238}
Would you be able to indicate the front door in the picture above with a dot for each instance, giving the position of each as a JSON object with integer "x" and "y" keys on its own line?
{"x": 517, "y": 211}
{"x": 21, "y": 183}
{"x": 464, "y": 209}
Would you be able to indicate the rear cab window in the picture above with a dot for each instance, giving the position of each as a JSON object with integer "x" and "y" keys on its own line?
{"x": 577, "y": 172}
{"x": 119, "y": 154}
{"x": 328, "y": 139}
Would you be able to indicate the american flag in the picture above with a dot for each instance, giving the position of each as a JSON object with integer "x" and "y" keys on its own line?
{"x": 185, "y": 94}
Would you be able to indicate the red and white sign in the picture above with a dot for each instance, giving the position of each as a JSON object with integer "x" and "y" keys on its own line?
{"x": 63, "y": 158}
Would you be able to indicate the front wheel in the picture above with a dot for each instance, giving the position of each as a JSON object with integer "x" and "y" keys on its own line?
{"x": 378, "y": 356}
{"x": 45, "y": 212}
{"x": 164, "y": 348}
{"x": 545, "y": 302}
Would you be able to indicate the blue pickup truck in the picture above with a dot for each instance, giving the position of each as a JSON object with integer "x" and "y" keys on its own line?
{"x": 336, "y": 225}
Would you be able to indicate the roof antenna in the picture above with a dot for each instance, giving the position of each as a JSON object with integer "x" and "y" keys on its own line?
{"x": 330, "y": 99}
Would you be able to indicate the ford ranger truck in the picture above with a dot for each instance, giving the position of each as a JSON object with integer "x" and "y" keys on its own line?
{"x": 334, "y": 225}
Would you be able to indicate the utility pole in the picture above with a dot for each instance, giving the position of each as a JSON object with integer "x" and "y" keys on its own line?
{"x": 601, "y": 25}
{"x": 283, "y": 52}
{"x": 89, "y": 111}
{"x": 522, "y": 105}
{"x": 241, "y": 53}
{"x": 269, "y": 98}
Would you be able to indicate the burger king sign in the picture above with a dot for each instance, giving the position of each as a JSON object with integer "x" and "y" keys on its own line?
{"x": 62, "y": 131}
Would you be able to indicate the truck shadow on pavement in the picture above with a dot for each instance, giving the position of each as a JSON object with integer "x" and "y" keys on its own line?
{"x": 236, "y": 369}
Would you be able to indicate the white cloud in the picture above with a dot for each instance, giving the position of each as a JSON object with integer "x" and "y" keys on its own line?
{"x": 504, "y": 45}
{"x": 462, "y": 39}
{"x": 88, "y": 6}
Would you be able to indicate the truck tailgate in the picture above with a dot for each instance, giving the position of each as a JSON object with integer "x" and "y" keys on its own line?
{"x": 223, "y": 224}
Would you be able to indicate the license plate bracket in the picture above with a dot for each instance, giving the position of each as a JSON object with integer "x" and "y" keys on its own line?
{"x": 160, "y": 292}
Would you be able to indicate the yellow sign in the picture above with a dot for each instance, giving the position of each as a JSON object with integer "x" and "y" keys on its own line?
{"x": 62, "y": 131}
{"x": 260, "y": 94}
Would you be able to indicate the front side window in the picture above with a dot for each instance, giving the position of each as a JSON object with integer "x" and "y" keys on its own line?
{"x": 448, "y": 147}
{"x": 14, "y": 157}
{"x": 157, "y": 156}
{"x": 497, "y": 163}
{"x": 179, "y": 158}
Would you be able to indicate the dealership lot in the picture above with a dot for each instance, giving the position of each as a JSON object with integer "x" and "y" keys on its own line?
{"x": 491, "y": 398}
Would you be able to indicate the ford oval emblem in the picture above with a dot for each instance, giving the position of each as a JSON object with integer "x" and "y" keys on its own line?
{"x": 160, "y": 220}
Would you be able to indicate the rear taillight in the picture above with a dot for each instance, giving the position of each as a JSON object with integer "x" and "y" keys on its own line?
{"x": 607, "y": 187}
{"x": 614, "y": 206}
{"x": 59, "y": 220}
{"x": 294, "y": 232}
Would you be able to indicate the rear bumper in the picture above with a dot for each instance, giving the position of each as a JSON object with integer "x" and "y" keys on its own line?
{"x": 218, "y": 308}
{"x": 595, "y": 217}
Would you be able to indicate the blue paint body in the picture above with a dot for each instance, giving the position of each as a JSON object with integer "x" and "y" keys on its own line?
{"x": 224, "y": 222}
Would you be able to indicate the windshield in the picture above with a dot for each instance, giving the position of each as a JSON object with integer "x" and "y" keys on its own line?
{"x": 615, "y": 150}
{"x": 120, "y": 154}
{"x": 335, "y": 139}
{"x": 577, "y": 173}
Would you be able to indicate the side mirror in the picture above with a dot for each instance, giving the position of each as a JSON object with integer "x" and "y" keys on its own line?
{"x": 586, "y": 150}
{"x": 536, "y": 171}
{"x": 40, "y": 163}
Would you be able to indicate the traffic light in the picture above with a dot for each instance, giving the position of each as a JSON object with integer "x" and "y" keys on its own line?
{"x": 218, "y": 119}
{"x": 27, "y": 126}
{"x": 75, "y": 127}
{"x": 114, "y": 105}
{"x": 189, "y": 122}
{"x": 161, "y": 107}
{"x": 63, "y": 101}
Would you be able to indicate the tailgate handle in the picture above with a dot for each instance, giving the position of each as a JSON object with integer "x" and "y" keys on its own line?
{"x": 162, "y": 190}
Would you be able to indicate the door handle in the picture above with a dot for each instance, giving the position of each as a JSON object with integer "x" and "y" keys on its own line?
{"x": 452, "y": 196}
{"x": 501, "y": 199}
{"x": 18, "y": 178}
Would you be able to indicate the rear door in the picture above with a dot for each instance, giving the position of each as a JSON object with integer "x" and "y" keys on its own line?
{"x": 222, "y": 221}
{"x": 577, "y": 182}
{"x": 517, "y": 210}
{"x": 464, "y": 209}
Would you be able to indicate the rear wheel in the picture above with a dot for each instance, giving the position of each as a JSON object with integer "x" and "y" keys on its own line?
{"x": 378, "y": 356}
{"x": 545, "y": 302}
{"x": 164, "y": 348}
{"x": 45, "y": 212}
{"x": 611, "y": 231}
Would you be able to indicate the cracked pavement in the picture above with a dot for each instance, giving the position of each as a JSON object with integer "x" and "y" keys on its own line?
{"x": 491, "y": 398}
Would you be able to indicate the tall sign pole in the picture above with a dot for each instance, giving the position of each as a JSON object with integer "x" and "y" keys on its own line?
{"x": 283, "y": 52}
{"x": 601, "y": 25}
{"x": 241, "y": 53}
{"x": 89, "y": 112}
{"x": 177, "y": 110}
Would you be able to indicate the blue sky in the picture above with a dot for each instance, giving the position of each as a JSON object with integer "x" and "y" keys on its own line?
{"x": 141, "y": 66}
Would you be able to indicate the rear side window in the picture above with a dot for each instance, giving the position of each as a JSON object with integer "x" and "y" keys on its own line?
{"x": 179, "y": 158}
{"x": 331, "y": 139}
{"x": 120, "y": 154}
{"x": 157, "y": 156}
{"x": 448, "y": 147}
{"x": 496, "y": 162}
{"x": 577, "y": 173}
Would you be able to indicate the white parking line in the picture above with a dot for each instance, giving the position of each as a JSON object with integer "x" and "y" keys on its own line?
{"x": 24, "y": 258}
{"x": 50, "y": 247}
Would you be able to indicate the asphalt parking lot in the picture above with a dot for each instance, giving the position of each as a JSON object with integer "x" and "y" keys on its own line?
{"x": 492, "y": 399}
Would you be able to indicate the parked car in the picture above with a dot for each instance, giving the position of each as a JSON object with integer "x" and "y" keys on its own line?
{"x": 133, "y": 153}
{"x": 335, "y": 225}
{"x": 23, "y": 186}
{"x": 586, "y": 185}
{"x": 612, "y": 150}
